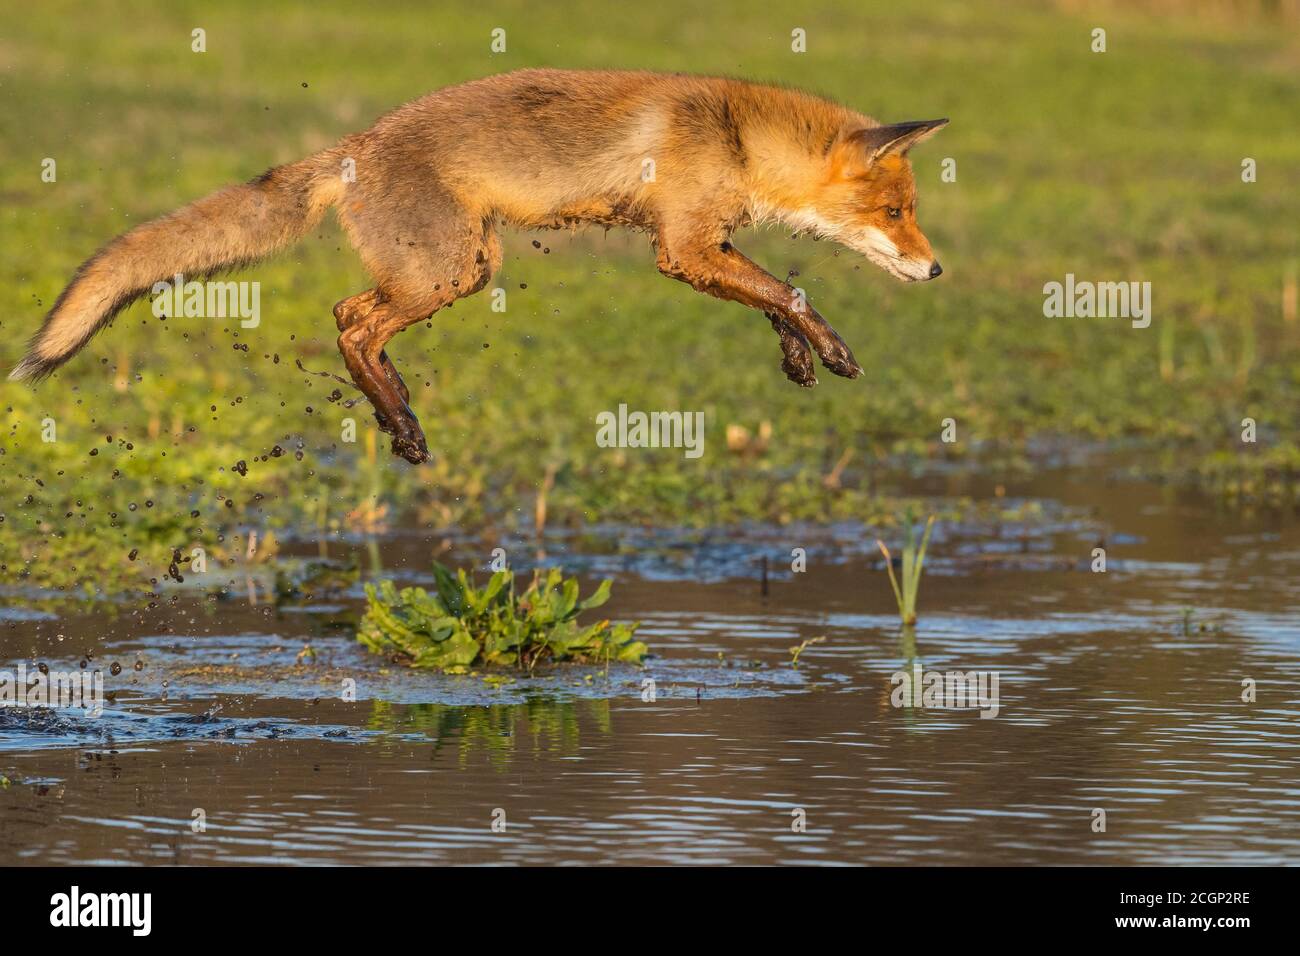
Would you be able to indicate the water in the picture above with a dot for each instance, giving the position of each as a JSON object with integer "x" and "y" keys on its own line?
{"x": 1110, "y": 698}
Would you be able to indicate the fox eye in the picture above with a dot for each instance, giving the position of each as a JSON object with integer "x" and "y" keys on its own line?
{"x": 894, "y": 212}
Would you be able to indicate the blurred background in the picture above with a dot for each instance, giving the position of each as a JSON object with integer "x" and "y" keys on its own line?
{"x": 1117, "y": 166}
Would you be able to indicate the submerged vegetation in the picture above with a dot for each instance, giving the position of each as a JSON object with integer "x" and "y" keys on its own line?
{"x": 913, "y": 565}
{"x": 460, "y": 626}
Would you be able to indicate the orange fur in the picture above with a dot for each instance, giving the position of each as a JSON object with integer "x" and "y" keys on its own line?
{"x": 687, "y": 159}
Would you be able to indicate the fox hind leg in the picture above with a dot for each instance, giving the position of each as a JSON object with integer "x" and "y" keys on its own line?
{"x": 392, "y": 412}
{"x": 350, "y": 311}
{"x": 450, "y": 255}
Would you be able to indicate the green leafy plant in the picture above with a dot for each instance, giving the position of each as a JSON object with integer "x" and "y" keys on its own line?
{"x": 913, "y": 565}
{"x": 459, "y": 626}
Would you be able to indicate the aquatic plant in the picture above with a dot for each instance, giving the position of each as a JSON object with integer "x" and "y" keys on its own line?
{"x": 460, "y": 626}
{"x": 913, "y": 564}
{"x": 799, "y": 648}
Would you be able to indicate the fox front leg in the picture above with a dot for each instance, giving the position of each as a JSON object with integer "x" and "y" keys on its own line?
{"x": 720, "y": 270}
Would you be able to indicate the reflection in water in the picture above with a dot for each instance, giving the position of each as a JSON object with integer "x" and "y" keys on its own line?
{"x": 907, "y": 648}
{"x": 540, "y": 724}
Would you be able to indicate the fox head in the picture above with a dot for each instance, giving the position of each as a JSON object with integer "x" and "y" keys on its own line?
{"x": 867, "y": 200}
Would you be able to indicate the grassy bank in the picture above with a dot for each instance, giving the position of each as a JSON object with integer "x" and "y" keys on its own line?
{"x": 1117, "y": 166}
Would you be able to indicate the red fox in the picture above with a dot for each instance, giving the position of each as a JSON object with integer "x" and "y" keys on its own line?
{"x": 421, "y": 194}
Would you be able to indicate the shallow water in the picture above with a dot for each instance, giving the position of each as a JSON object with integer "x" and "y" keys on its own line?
{"x": 1110, "y": 698}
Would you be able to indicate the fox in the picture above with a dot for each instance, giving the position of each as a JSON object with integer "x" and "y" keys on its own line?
{"x": 423, "y": 194}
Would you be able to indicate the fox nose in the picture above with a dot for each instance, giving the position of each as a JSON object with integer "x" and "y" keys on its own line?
{"x": 936, "y": 270}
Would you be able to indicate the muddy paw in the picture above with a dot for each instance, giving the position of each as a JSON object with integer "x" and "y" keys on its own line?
{"x": 412, "y": 447}
{"x": 798, "y": 368}
{"x": 840, "y": 360}
{"x": 797, "y": 357}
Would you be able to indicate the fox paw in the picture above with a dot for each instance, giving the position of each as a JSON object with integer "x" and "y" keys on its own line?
{"x": 408, "y": 438}
{"x": 840, "y": 360}
{"x": 798, "y": 368}
{"x": 796, "y": 359}
{"x": 412, "y": 447}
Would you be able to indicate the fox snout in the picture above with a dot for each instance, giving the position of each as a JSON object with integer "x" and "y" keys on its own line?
{"x": 907, "y": 257}
{"x": 922, "y": 271}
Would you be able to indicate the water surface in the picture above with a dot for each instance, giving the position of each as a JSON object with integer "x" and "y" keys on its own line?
{"x": 1113, "y": 696}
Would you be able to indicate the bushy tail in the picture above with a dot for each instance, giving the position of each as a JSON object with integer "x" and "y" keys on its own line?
{"x": 231, "y": 227}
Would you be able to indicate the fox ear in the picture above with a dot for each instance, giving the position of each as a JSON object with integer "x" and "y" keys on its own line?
{"x": 866, "y": 146}
{"x": 898, "y": 138}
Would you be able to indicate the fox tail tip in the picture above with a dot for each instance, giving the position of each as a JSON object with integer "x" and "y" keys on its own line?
{"x": 30, "y": 369}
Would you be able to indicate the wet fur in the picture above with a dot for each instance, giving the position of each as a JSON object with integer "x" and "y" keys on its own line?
{"x": 531, "y": 149}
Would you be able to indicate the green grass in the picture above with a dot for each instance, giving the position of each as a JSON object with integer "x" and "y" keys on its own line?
{"x": 1118, "y": 166}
